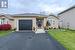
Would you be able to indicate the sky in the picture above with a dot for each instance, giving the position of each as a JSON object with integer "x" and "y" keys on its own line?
{"x": 37, "y": 6}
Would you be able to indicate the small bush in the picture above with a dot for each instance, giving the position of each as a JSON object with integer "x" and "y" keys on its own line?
{"x": 46, "y": 28}
{"x": 54, "y": 28}
{"x": 5, "y": 27}
{"x": 33, "y": 28}
{"x": 14, "y": 29}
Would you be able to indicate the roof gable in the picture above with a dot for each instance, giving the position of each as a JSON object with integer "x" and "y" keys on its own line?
{"x": 67, "y": 10}
{"x": 54, "y": 16}
{"x": 2, "y": 15}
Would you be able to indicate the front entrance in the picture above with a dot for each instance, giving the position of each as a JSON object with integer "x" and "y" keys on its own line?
{"x": 25, "y": 24}
{"x": 39, "y": 22}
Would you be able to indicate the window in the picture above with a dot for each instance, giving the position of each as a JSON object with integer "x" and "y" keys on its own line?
{"x": 61, "y": 21}
{"x": 53, "y": 22}
{"x": 2, "y": 21}
{"x": 48, "y": 23}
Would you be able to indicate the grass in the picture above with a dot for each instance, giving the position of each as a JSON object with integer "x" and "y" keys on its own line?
{"x": 4, "y": 33}
{"x": 65, "y": 37}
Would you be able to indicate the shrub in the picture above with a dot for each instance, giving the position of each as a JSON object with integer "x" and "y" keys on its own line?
{"x": 46, "y": 28}
{"x": 14, "y": 29}
{"x": 5, "y": 27}
{"x": 33, "y": 28}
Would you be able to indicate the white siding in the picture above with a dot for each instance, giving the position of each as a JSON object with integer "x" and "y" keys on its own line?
{"x": 53, "y": 21}
{"x": 68, "y": 19}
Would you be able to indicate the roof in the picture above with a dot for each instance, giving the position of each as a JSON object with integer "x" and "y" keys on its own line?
{"x": 6, "y": 15}
{"x": 2, "y": 15}
{"x": 30, "y": 14}
{"x": 54, "y": 16}
{"x": 67, "y": 10}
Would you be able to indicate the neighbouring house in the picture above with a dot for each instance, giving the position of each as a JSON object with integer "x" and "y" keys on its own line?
{"x": 6, "y": 19}
{"x": 67, "y": 18}
{"x": 3, "y": 19}
{"x": 53, "y": 21}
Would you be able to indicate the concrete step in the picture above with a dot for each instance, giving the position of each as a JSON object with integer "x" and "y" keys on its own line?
{"x": 40, "y": 31}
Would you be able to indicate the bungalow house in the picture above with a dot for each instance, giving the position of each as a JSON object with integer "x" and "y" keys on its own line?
{"x": 27, "y": 21}
{"x": 53, "y": 21}
{"x": 67, "y": 18}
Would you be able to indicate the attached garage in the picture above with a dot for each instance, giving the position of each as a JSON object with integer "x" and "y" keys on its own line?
{"x": 25, "y": 24}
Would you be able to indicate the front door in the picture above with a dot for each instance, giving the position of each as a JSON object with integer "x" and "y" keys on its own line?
{"x": 39, "y": 23}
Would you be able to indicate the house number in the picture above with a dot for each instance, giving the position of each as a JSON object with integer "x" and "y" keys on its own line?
{"x": 3, "y": 3}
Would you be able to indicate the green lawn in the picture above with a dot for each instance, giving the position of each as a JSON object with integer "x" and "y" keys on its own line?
{"x": 65, "y": 37}
{"x": 4, "y": 33}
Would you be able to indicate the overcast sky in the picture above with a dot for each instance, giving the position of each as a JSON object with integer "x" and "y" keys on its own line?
{"x": 36, "y": 6}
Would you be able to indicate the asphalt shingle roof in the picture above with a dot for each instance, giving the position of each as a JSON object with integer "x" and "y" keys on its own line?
{"x": 30, "y": 14}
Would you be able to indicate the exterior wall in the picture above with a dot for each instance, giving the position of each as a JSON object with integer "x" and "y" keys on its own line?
{"x": 16, "y": 21}
{"x": 67, "y": 19}
{"x": 5, "y": 21}
{"x": 53, "y": 22}
{"x": 44, "y": 23}
{"x": 55, "y": 25}
{"x": 12, "y": 23}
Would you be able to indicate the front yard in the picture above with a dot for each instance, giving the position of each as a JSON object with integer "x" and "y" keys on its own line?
{"x": 65, "y": 37}
{"x": 4, "y": 33}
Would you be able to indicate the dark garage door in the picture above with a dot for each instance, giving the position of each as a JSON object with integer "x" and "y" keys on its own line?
{"x": 25, "y": 24}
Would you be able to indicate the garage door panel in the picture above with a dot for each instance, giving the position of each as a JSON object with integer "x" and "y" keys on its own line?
{"x": 25, "y": 24}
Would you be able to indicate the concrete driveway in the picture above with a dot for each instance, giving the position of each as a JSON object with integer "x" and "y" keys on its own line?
{"x": 29, "y": 41}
